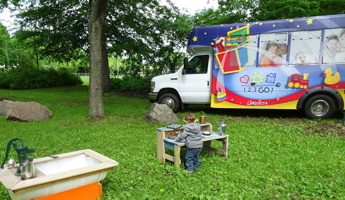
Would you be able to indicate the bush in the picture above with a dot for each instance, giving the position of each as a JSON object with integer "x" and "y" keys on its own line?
{"x": 34, "y": 78}
{"x": 133, "y": 84}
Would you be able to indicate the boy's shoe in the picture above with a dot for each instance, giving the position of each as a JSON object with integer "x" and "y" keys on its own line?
{"x": 191, "y": 172}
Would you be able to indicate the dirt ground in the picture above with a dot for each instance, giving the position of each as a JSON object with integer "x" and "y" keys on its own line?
{"x": 333, "y": 126}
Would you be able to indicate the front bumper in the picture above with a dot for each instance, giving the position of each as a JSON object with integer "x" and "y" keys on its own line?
{"x": 153, "y": 96}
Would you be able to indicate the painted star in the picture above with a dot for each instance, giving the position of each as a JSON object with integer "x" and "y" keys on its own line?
{"x": 291, "y": 20}
{"x": 205, "y": 33}
{"x": 195, "y": 38}
{"x": 274, "y": 25}
{"x": 309, "y": 21}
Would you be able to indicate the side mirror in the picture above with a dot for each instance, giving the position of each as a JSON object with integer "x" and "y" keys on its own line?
{"x": 185, "y": 65}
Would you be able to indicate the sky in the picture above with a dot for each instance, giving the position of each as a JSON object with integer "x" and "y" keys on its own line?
{"x": 191, "y": 6}
{"x": 194, "y": 5}
{"x": 5, "y": 18}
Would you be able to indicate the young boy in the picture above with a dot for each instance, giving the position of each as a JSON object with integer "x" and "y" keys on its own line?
{"x": 193, "y": 136}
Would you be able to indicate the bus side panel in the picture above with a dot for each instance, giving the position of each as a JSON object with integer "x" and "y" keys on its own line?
{"x": 239, "y": 80}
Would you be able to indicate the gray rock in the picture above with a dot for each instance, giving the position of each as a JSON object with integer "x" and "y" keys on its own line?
{"x": 4, "y": 106}
{"x": 28, "y": 112}
{"x": 161, "y": 113}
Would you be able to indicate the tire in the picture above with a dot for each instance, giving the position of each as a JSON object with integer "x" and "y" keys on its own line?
{"x": 170, "y": 100}
{"x": 319, "y": 107}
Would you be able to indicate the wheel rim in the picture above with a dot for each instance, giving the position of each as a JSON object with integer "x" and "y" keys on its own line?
{"x": 320, "y": 108}
{"x": 169, "y": 102}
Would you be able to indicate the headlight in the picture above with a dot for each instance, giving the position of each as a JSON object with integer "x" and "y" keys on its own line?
{"x": 152, "y": 86}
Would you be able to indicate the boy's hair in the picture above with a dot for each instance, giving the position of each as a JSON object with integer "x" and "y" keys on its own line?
{"x": 190, "y": 118}
{"x": 284, "y": 45}
{"x": 269, "y": 45}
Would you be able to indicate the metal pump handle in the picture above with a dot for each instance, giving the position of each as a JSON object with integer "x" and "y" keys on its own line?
{"x": 12, "y": 141}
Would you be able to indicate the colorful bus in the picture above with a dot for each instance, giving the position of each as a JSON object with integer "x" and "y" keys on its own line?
{"x": 280, "y": 64}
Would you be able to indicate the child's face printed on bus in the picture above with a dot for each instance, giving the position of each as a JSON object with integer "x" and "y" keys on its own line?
{"x": 332, "y": 44}
{"x": 282, "y": 50}
{"x": 301, "y": 58}
{"x": 342, "y": 40}
{"x": 273, "y": 49}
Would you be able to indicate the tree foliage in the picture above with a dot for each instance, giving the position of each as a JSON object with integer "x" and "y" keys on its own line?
{"x": 269, "y": 10}
{"x": 58, "y": 27}
{"x": 229, "y": 11}
{"x": 144, "y": 32}
{"x": 236, "y": 11}
{"x": 4, "y": 38}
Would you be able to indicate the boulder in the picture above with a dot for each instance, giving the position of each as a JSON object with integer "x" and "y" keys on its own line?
{"x": 5, "y": 106}
{"x": 28, "y": 112}
{"x": 161, "y": 113}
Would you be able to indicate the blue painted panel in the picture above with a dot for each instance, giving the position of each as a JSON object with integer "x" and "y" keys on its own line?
{"x": 201, "y": 36}
{"x": 168, "y": 145}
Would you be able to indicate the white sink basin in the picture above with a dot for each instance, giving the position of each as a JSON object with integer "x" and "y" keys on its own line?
{"x": 65, "y": 164}
{"x": 68, "y": 171}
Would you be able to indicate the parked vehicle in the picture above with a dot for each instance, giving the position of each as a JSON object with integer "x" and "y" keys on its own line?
{"x": 280, "y": 64}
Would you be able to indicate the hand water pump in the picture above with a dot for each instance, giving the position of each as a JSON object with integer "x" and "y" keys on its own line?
{"x": 26, "y": 169}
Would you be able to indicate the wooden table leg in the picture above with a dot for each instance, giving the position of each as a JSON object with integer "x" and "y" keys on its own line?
{"x": 160, "y": 147}
{"x": 177, "y": 156}
{"x": 225, "y": 146}
{"x": 207, "y": 144}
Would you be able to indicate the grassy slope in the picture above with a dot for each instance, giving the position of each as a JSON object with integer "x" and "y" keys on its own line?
{"x": 268, "y": 157}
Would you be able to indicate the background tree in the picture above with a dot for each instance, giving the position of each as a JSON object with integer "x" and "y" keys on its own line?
{"x": 269, "y": 10}
{"x": 98, "y": 57}
{"x": 236, "y": 11}
{"x": 229, "y": 11}
{"x": 14, "y": 52}
{"x": 135, "y": 29}
{"x": 146, "y": 33}
{"x": 4, "y": 39}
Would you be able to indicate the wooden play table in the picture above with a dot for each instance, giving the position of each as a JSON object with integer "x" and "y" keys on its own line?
{"x": 163, "y": 143}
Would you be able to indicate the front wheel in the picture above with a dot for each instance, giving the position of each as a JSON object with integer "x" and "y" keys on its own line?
{"x": 170, "y": 100}
{"x": 319, "y": 107}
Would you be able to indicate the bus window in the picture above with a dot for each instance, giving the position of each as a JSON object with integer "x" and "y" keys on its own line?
{"x": 252, "y": 50}
{"x": 198, "y": 65}
{"x": 305, "y": 47}
{"x": 273, "y": 49}
{"x": 334, "y": 46}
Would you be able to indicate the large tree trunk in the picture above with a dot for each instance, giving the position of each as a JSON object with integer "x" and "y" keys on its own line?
{"x": 105, "y": 67}
{"x": 96, "y": 40}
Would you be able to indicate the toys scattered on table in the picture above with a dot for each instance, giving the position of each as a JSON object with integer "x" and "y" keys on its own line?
{"x": 174, "y": 126}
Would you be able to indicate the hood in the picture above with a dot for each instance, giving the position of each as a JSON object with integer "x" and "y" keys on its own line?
{"x": 166, "y": 77}
{"x": 193, "y": 128}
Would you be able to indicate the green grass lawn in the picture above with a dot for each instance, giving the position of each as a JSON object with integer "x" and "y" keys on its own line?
{"x": 270, "y": 157}
{"x": 85, "y": 80}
